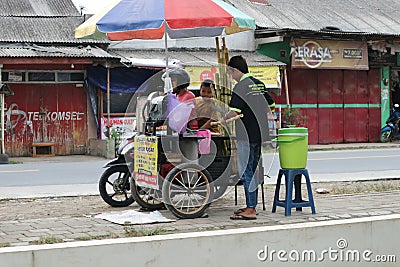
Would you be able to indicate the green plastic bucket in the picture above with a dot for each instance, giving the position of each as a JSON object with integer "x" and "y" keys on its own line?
{"x": 293, "y": 147}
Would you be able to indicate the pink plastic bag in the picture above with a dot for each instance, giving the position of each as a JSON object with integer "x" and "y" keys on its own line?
{"x": 178, "y": 117}
{"x": 204, "y": 141}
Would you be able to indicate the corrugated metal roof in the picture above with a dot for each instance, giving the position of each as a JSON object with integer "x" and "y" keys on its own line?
{"x": 194, "y": 57}
{"x": 20, "y": 50}
{"x": 38, "y": 8}
{"x": 41, "y": 21}
{"x": 358, "y": 16}
{"x": 41, "y": 30}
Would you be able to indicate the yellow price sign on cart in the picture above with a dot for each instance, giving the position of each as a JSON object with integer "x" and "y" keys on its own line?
{"x": 145, "y": 170}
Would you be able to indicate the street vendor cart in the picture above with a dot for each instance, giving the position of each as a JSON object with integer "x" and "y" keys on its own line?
{"x": 183, "y": 170}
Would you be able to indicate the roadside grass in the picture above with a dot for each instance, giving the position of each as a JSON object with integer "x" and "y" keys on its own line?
{"x": 365, "y": 187}
{"x": 15, "y": 162}
{"x": 47, "y": 240}
{"x": 131, "y": 231}
{"x": 5, "y": 244}
{"x": 97, "y": 237}
{"x": 354, "y": 187}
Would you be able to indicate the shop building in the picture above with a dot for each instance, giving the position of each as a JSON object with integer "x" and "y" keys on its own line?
{"x": 45, "y": 66}
{"x": 341, "y": 59}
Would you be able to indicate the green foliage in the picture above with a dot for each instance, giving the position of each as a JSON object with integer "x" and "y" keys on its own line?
{"x": 293, "y": 116}
{"x": 47, "y": 240}
{"x": 116, "y": 134}
{"x": 132, "y": 232}
{"x": 365, "y": 187}
{"x": 5, "y": 244}
{"x": 97, "y": 237}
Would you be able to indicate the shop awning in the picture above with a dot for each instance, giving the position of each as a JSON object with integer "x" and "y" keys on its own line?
{"x": 202, "y": 64}
{"x": 190, "y": 57}
{"x": 122, "y": 79}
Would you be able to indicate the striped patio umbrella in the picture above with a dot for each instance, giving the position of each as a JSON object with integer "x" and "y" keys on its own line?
{"x": 154, "y": 19}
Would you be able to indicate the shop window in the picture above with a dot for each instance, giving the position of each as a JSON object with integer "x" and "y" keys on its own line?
{"x": 70, "y": 76}
{"x": 24, "y": 76}
{"x": 41, "y": 76}
{"x": 119, "y": 103}
{"x": 13, "y": 76}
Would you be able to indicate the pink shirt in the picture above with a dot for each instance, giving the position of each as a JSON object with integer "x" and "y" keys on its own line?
{"x": 189, "y": 96}
{"x": 186, "y": 96}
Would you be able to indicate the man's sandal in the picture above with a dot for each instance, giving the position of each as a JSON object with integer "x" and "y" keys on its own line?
{"x": 242, "y": 217}
{"x": 237, "y": 212}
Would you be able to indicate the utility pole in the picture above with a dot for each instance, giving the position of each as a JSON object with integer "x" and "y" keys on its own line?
{"x": 4, "y": 90}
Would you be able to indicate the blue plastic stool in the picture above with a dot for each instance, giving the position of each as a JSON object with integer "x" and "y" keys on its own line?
{"x": 293, "y": 179}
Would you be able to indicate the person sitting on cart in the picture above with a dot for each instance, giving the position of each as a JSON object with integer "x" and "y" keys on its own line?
{"x": 180, "y": 80}
{"x": 251, "y": 99}
{"x": 206, "y": 108}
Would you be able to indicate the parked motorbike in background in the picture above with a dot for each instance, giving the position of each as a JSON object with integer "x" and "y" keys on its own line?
{"x": 390, "y": 131}
{"x": 114, "y": 184}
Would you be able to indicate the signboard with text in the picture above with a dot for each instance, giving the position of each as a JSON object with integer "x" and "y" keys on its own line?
{"x": 146, "y": 155}
{"x": 377, "y": 58}
{"x": 269, "y": 75}
{"x": 328, "y": 54}
{"x": 124, "y": 127}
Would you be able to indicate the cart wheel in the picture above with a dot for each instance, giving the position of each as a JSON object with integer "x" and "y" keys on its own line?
{"x": 147, "y": 198}
{"x": 188, "y": 191}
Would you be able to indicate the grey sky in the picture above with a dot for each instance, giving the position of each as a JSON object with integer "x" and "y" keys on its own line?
{"x": 92, "y": 6}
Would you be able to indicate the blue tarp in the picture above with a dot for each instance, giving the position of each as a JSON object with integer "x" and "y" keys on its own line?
{"x": 122, "y": 79}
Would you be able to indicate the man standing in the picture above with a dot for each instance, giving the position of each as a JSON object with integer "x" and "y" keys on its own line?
{"x": 250, "y": 98}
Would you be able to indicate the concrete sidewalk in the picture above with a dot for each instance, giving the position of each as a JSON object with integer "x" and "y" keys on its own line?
{"x": 20, "y": 232}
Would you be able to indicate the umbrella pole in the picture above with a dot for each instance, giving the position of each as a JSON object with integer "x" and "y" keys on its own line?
{"x": 224, "y": 66}
{"x": 166, "y": 51}
{"x": 217, "y": 76}
{"x": 286, "y": 89}
{"x": 167, "y": 81}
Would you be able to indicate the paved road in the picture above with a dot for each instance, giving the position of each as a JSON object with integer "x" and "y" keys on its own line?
{"x": 79, "y": 175}
{"x": 345, "y": 165}
{"x": 57, "y": 176}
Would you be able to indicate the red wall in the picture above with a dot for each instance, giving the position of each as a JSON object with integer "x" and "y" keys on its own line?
{"x": 65, "y": 123}
{"x": 330, "y": 119}
{"x": 336, "y": 104}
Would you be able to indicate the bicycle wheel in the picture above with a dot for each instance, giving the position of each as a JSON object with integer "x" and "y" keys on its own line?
{"x": 147, "y": 198}
{"x": 188, "y": 191}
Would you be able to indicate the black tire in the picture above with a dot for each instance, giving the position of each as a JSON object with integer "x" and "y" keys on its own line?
{"x": 112, "y": 189}
{"x": 147, "y": 198}
{"x": 188, "y": 191}
{"x": 386, "y": 136}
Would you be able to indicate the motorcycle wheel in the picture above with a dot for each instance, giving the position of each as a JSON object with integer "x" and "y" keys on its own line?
{"x": 386, "y": 136}
{"x": 110, "y": 185}
{"x": 147, "y": 198}
{"x": 188, "y": 191}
